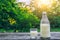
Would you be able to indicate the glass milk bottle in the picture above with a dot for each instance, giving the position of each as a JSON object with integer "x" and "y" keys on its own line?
{"x": 44, "y": 27}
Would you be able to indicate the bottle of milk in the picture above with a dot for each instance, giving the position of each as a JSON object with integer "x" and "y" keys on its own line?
{"x": 44, "y": 26}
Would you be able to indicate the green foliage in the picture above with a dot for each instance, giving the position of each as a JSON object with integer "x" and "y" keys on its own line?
{"x": 6, "y": 12}
{"x": 16, "y": 19}
{"x": 26, "y": 20}
{"x": 54, "y": 20}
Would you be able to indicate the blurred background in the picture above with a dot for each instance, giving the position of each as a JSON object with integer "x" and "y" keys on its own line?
{"x": 21, "y": 15}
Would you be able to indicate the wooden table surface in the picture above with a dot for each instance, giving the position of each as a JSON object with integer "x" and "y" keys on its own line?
{"x": 26, "y": 36}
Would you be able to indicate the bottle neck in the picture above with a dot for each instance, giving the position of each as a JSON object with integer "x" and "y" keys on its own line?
{"x": 44, "y": 18}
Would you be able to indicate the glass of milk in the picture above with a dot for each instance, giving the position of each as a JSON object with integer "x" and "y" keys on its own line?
{"x": 33, "y": 33}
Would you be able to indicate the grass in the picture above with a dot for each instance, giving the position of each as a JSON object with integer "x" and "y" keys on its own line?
{"x": 55, "y": 29}
{"x": 51, "y": 29}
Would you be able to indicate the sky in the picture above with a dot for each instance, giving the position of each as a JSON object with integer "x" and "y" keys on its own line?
{"x": 27, "y": 1}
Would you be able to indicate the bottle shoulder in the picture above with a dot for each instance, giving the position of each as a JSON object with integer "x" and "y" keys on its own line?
{"x": 45, "y": 21}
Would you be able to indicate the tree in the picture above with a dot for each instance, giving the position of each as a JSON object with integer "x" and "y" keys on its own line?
{"x": 13, "y": 17}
